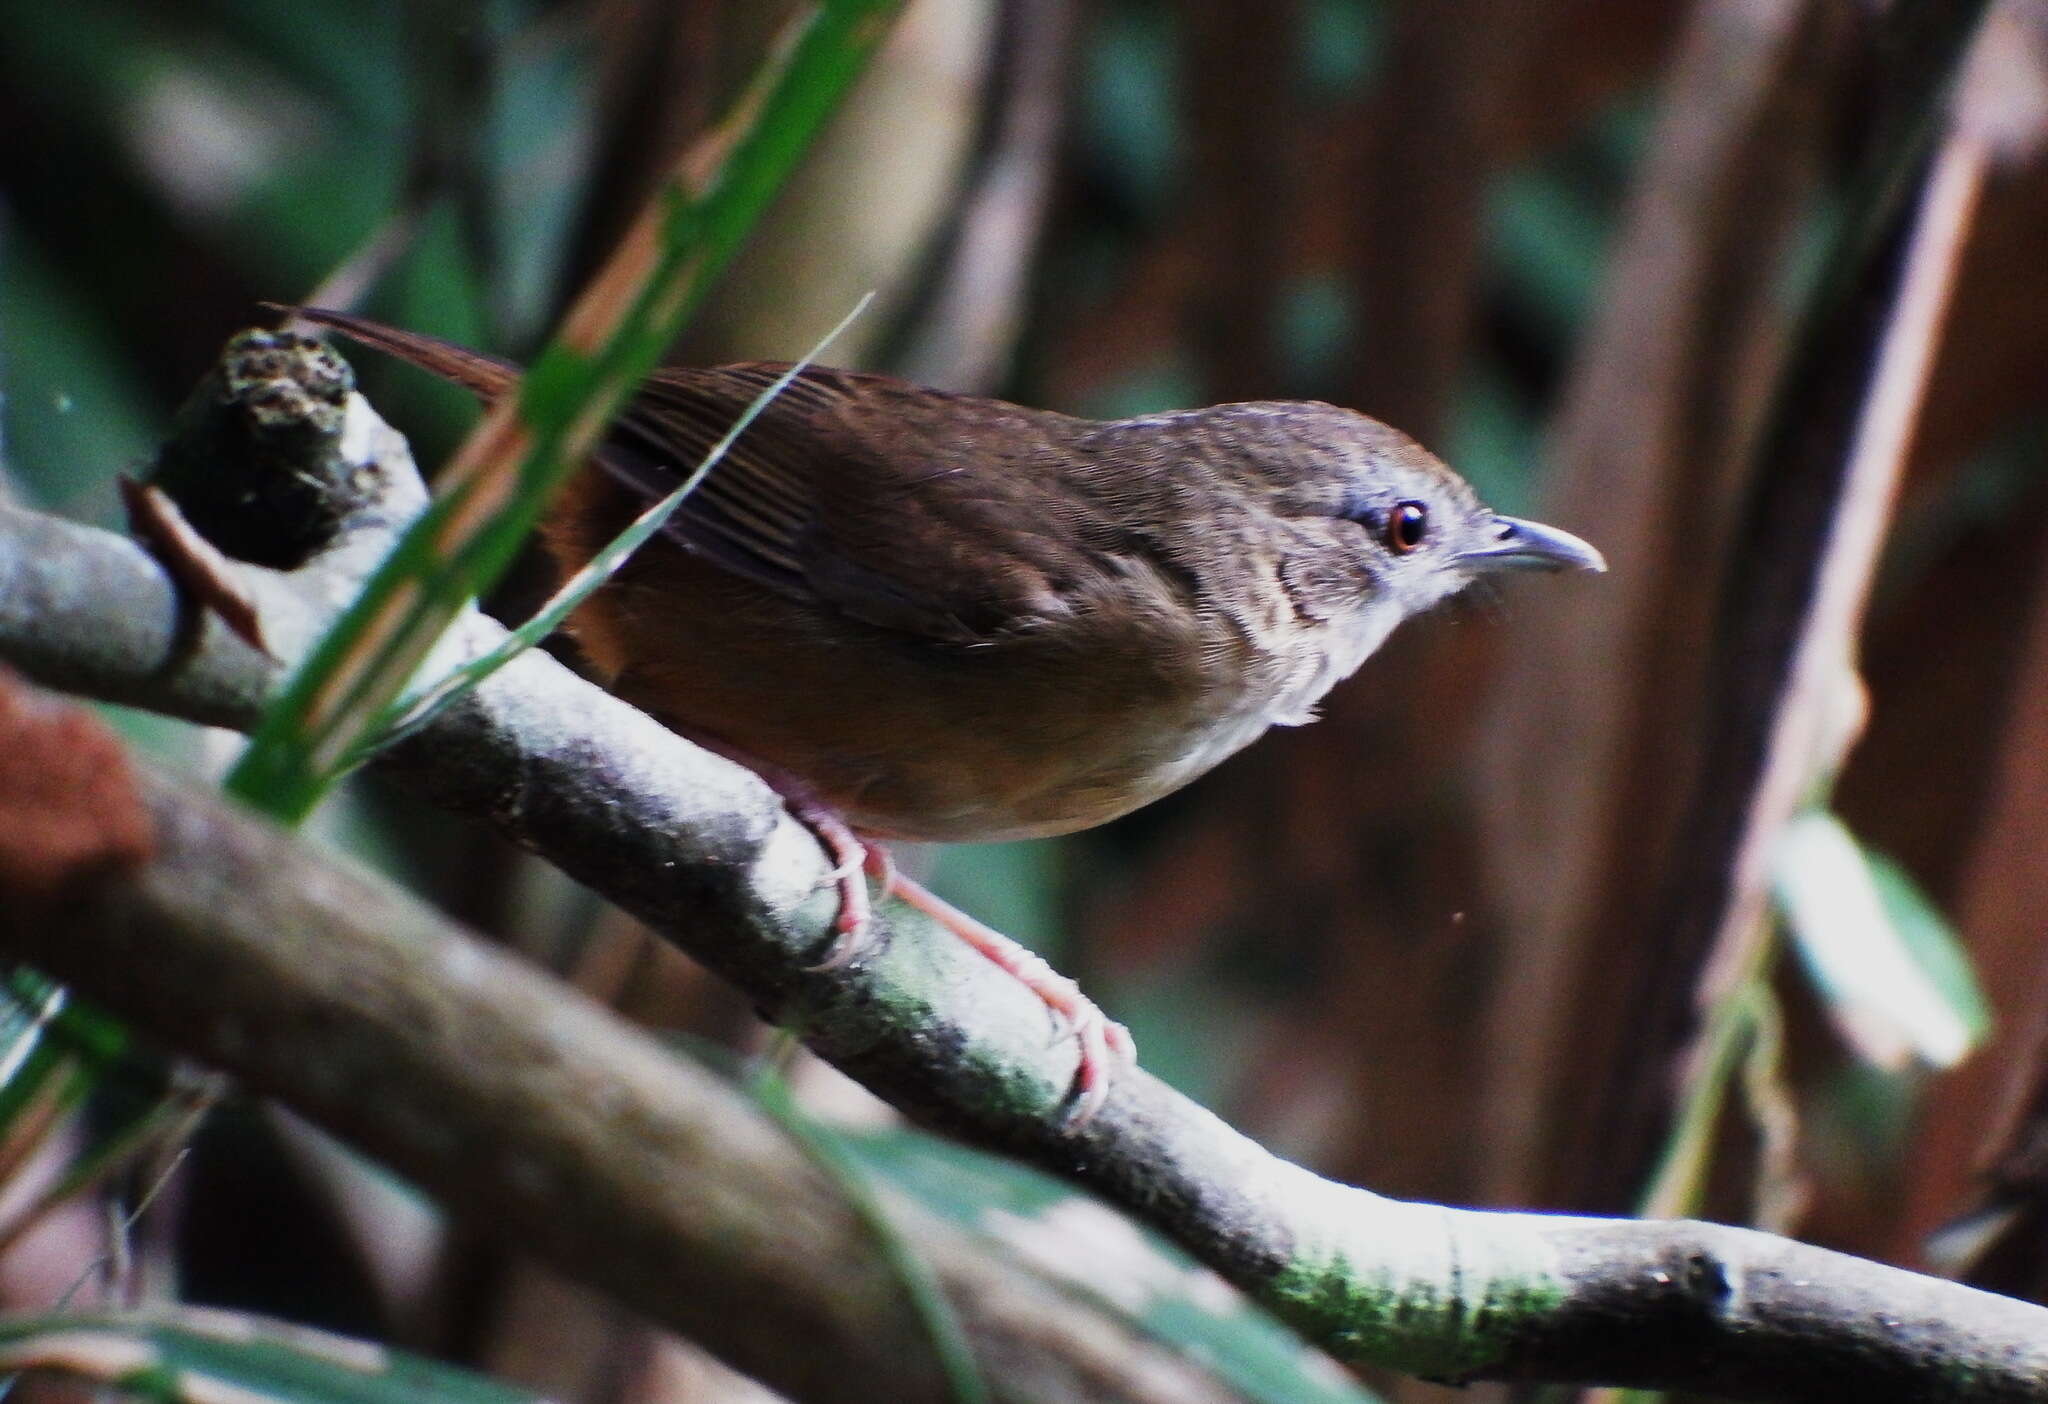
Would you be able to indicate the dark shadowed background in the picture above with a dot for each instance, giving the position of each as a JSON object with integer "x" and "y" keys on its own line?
{"x": 1432, "y": 943}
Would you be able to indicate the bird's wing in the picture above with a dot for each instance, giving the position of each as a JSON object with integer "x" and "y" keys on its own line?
{"x": 854, "y": 493}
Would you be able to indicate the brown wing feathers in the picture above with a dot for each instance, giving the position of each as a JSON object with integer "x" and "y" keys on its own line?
{"x": 747, "y": 516}
{"x": 486, "y": 376}
{"x": 809, "y": 504}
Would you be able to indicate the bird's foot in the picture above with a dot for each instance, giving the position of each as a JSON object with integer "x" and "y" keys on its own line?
{"x": 854, "y": 861}
{"x": 1104, "y": 1045}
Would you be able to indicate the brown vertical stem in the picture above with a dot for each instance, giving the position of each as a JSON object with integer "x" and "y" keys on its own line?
{"x": 2001, "y": 911}
{"x": 1586, "y": 765}
{"x": 1813, "y": 525}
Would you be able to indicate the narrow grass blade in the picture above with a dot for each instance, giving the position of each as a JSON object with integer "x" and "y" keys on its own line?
{"x": 411, "y": 712}
{"x": 192, "y": 1355}
{"x": 535, "y": 436}
{"x": 828, "y": 1150}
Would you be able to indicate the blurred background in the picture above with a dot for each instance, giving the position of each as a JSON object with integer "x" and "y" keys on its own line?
{"x": 1442, "y": 943}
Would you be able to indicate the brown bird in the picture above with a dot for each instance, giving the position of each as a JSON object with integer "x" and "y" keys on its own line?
{"x": 930, "y": 616}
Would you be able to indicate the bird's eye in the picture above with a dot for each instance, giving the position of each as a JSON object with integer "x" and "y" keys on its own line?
{"x": 1407, "y": 525}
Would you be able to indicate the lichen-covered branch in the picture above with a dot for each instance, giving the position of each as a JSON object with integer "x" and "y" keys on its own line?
{"x": 703, "y": 852}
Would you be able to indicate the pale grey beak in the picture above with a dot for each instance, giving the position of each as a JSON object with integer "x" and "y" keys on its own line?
{"x": 1514, "y": 544}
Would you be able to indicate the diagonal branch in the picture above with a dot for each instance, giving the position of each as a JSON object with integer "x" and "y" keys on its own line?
{"x": 701, "y": 851}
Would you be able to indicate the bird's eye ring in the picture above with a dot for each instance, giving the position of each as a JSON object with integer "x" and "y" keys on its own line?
{"x": 1407, "y": 526}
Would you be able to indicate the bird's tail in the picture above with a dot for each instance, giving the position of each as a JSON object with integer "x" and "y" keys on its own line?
{"x": 486, "y": 376}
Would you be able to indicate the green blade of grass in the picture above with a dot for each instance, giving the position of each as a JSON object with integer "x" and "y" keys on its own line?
{"x": 470, "y": 534}
{"x": 54, "y": 1051}
{"x": 195, "y": 1355}
{"x": 411, "y": 712}
{"x": 928, "y": 1298}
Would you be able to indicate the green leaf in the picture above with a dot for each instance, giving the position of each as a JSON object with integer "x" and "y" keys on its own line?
{"x": 194, "y": 1356}
{"x": 829, "y": 1150}
{"x": 1934, "y": 945}
{"x": 30, "y": 1059}
{"x": 50, "y": 1047}
{"x": 1128, "y": 1270}
{"x": 1895, "y": 979}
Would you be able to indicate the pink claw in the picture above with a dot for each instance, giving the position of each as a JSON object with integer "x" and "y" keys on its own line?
{"x": 852, "y": 860}
{"x": 1104, "y": 1045}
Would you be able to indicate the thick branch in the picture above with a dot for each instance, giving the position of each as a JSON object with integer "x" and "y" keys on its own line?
{"x": 702, "y": 851}
{"x": 517, "y": 1101}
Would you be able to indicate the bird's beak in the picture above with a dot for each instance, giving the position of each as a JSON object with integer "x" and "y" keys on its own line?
{"x": 1513, "y": 544}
